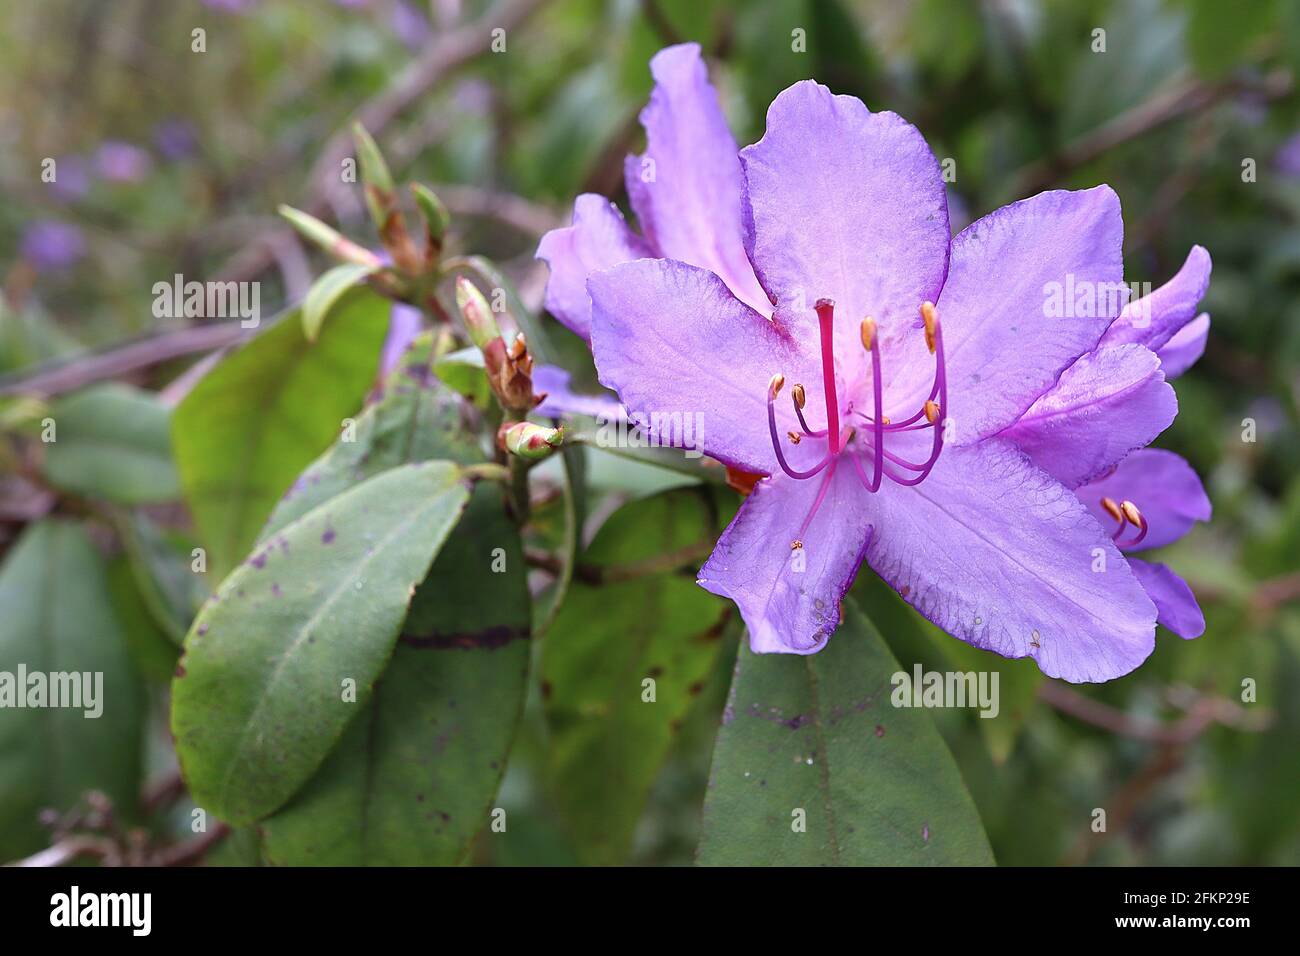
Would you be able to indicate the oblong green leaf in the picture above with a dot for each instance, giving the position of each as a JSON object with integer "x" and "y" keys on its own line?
{"x": 413, "y": 778}
{"x": 261, "y": 696}
{"x": 111, "y": 442}
{"x": 58, "y": 617}
{"x": 814, "y": 766}
{"x": 250, "y": 425}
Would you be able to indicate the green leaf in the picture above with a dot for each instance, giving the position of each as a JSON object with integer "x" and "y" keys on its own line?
{"x": 464, "y": 371}
{"x": 1220, "y": 34}
{"x": 152, "y": 649}
{"x": 170, "y": 591}
{"x": 58, "y": 617}
{"x": 258, "y": 418}
{"x": 326, "y": 292}
{"x": 111, "y": 442}
{"x": 611, "y": 645}
{"x": 414, "y": 777}
{"x": 261, "y": 693}
{"x": 412, "y": 420}
{"x": 455, "y": 685}
{"x": 816, "y": 736}
{"x": 573, "y": 508}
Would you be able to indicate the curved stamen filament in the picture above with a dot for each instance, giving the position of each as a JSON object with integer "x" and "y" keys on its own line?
{"x": 934, "y": 340}
{"x": 798, "y": 400}
{"x": 1125, "y": 513}
{"x": 877, "y": 403}
{"x": 774, "y": 389}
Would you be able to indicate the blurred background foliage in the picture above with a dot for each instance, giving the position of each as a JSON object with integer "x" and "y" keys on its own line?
{"x": 174, "y": 161}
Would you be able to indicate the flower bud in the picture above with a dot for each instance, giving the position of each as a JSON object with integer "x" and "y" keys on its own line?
{"x": 529, "y": 440}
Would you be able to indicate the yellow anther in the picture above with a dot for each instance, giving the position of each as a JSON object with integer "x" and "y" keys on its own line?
{"x": 800, "y": 398}
{"x": 794, "y": 438}
{"x": 775, "y": 384}
{"x": 931, "y": 411}
{"x": 868, "y": 332}
{"x": 927, "y": 313}
{"x": 1112, "y": 509}
{"x": 1131, "y": 513}
{"x": 884, "y": 419}
{"x": 796, "y": 545}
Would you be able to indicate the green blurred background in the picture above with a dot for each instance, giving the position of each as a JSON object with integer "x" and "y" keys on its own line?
{"x": 174, "y": 161}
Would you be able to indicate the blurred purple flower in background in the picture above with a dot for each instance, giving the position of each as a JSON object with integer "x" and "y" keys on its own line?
{"x": 175, "y": 139}
{"x": 122, "y": 162}
{"x": 1288, "y": 157}
{"x": 50, "y": 245}
{"x": 71, "y": 178}
{"x": 229, "y": 6}
{"x": 409, "y": 24}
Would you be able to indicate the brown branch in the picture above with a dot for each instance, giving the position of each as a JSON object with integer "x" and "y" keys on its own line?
{"x": 192, "y": 851}
{"x": 445, "y": 54}
{"x": 1201, "y": 713}
{"x": 68, "y": 849}
{"x": 1182, "y": 98}
{"x": 65, "y": 375}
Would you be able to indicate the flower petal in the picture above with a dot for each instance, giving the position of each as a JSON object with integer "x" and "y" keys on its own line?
{"x": 1176, "y": 606}
{"x": 670, "y": 338}
{"x": 1185, "y": 346}
{"x": 790, "y": 598}
{"x": 1162, "y": 485}
{"x": 561, "y": 399}
{"x": 1153, "y": 319}
{"x": 598, "y": 239}
{"x": 1010, "y": 305}
{"x": 845, "y": 204}
{"x": 686, "y": 187}
{"x": 1107, "y": 404}
{"x": 1002, "y": 556}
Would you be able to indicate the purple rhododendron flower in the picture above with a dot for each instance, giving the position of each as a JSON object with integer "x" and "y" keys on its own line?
{"x": 979, "y": 450}
{"x": 72, "y": 180}
{"x": 121, "y": 162}
{"x": 50, "y": 245}
{"x": 410, "y": 25}
{"x": 1287, "y": 159}
{"x": 175, "y": 139}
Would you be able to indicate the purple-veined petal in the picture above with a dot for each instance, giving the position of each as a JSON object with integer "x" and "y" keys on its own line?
{"x": 1001, "y": 555}
{"x": 1153, "y": 319}
{"x": 1185, "y": 346}
{"x": 561, "y": 399}
{"x": 686, "y": 187}
{"x": 1105, "y": 405}
{"x": 671, "y": 339}
{"x": 1162, "y": 485}
{"x": 790, "y": 598}
{"x": 1030, "y": 288}
{"x": 1176, "y": 606}
{"x": 846, "y": 204}
{"x": 599, "y": 238}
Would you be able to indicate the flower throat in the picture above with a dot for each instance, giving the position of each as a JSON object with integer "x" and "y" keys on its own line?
{"x": 870, "y": 436}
